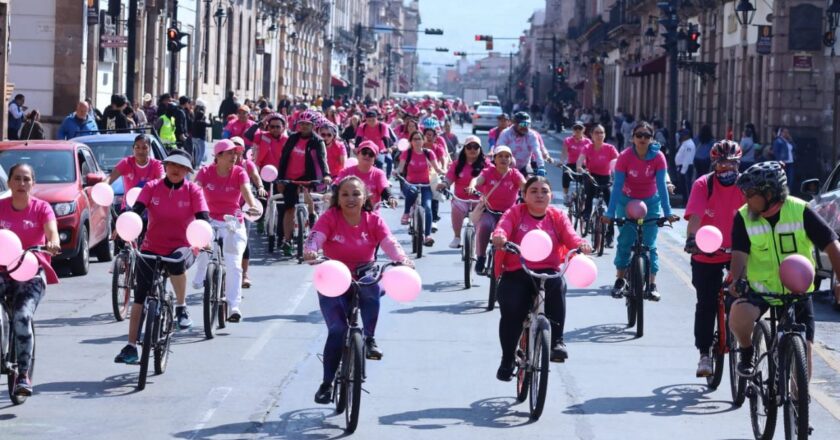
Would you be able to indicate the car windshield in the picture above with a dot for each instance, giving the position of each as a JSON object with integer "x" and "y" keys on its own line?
{"x": 51, "y": 166}
{"x": 490, "y": 109}
{"x": 4, "y": 179}
{"x": 108, "y": 154}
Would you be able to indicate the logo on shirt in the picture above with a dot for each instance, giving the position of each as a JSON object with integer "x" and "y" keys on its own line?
{"x": 183, "y": 204}
{"x": 211, "y": 187}
{"x": 338, "y": 238}
{"x": 156, "y": 201}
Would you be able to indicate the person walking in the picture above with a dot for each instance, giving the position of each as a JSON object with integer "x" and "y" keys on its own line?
{"x": 749, "y": 145}
{"x": 783, "y": 148}
{"x": 16, "y": 114}
{"x": 704, "y": 142}
{"x": 684, "y": 162}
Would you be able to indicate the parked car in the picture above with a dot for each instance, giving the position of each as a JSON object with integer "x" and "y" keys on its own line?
{"x": 485, "y": 117}
{"x": 65, "y": 171}
{"x": 4, "y": 185}
{"x": 825, "y": 200}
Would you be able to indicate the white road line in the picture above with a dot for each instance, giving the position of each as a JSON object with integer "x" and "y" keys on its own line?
{"x": 216, "y": 396}
{"x": 258, "y": 345}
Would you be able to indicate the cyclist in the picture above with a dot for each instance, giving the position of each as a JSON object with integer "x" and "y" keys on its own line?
{"x": 500, "y": 185}
{"x": 33, "y": 221}
{"x": 172, "y": 204}
{"x": 408, "y": 126}
{"x": 416, "y": 168}
{"x": 225, "y": 185}
{"x": 257, "y": 182}
{"x": 336, "y": 151}
{"x": 771, "y": 226}
{"x": 377, "y": 132}
{"x": 503, "y": 122}
{"x": 436, "y": 144}
{"x": 715, "y": 201}
{"x": 516, "y": 288}
{"x": 596, "y": 158}
{"x": 239, "y": 125}
{"x": 640, "y": 173}
{"x": 374, "y": 178}
{"x": 471, "y": 162}
{"x": 303, "y": 158}
{"x": 573, "y": 147}
{"x": 450, "y": 138}
{"x": 139, "y": 168}
{"x": 268, "y": 144}
{"x": 524, "y": 144}
{"x": 350, "y": 232}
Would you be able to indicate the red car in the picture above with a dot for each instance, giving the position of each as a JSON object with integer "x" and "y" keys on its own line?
{"x": 65, "y": 171}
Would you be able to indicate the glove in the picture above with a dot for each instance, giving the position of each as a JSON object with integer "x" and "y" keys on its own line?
{"x": 691, "y": 245}
{"x": 541, "y": 172}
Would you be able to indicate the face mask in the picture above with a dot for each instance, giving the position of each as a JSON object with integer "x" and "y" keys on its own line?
{"x": 727, "y": 178}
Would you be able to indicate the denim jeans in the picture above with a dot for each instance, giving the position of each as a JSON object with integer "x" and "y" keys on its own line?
{"x": 411, "y": 194}
{"x": 627, "y": 234}
{"x": 335, "y": 316}
{"x": 199, "y": 150}
{"x": 26, "y": 296}
{"x": 385, "y": 159}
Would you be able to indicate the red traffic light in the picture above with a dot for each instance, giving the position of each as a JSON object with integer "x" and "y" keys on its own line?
{"x": 479, "y": 38}
{"x": 560, "y": 70}
{"x": 694, "y": 36}
{"x": 172, "y": 34}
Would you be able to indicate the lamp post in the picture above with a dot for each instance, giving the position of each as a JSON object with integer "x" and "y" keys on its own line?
{"x": 670, "y": 21}
{"x": 745, "y": 12}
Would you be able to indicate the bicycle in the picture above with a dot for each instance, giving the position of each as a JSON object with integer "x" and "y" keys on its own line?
{"x": 578, "y": 201}
{"x": 214, "y": 301}
{"x": 417, "y": 218}
{"x": 724, "y": 343}
{"x": 302, "y": 216}
{"x": 122, "y": 281}
{"x": 534, "y": 349}
{"x": 8, "y": 342}
{"x": 489, "y": 255}
{"x": 638, "y": 277}
{"x": 599, "y": 230}
{"x": 272, "y": 214}
{"x": 781, "y": 374}
{"x": 158, "y": 315}
{"x": 468, "y": 244}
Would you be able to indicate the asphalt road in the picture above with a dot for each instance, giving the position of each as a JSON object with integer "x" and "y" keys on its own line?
{"x": 436, "y": 381}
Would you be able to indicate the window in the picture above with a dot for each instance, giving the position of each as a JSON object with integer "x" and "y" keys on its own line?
{"x": 51, "y": 166}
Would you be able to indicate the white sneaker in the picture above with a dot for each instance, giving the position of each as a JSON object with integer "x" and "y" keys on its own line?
{"x": 704, "y": 367}
{"x": 198, "y": 286}
{"x": 434, "y": 227}
{"x": 455, "y": 243}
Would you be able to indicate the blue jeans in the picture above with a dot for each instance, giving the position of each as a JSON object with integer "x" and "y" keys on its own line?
{"x": 199, "y": 150}
{"x": 335, "y": 312}
{"x": 410, "y": 192}
{"x": 385, "y": 159}
{"x": 627, "y": 234}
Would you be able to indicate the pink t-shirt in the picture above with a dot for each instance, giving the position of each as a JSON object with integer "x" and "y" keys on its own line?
{"x": 269, "y": 148}
{"x": 493, "y": 134}
{"x": 373, "y": 134}
{"x": 439, "y": 148}
{"x": 297, "y": 161}
{"x": 418, "y": 169}
{"x": 170, "y": 212}
{"x": 250, "y": 166}
{"x": 351, "y": 245}
{"x": 517, "y": 222}
{"x": 639, "y": 174}
{"x": 29, "y": 223}
{"x": 223, "y": 194}
{"x": 598, "y": 161}
{"x": 719, "y": 211}
{"x": 462, "y": 181}
{"x": 505, "y": 195}
{"x": 238, "y": 128}
{"x": 375, "y": 180}
{"x": 336, "y": 153}
{"x": 574, "y": 147}
{"x": 136, "y": 176}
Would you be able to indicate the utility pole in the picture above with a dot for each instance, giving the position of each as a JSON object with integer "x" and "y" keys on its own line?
{"x": 173, "y": 56}
{"x": 359, "y": 72}
{"x": 388, "y": 71}
{"x": 510, "y": 81}
{"x": 671, "y": 22}
{"x": 553, "y": 64}
{"x": 131, "y": 65}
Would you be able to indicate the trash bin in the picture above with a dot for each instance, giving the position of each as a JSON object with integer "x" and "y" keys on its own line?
{"x": 218, "y": 127}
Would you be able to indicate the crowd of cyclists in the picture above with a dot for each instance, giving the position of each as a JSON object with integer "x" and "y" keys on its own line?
{"x": 352, "y": 154}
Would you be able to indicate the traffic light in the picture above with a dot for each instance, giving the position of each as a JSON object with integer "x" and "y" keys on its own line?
{"x": 173, "y": 39}
{"x": 433, "y": 31}
{"x": 560, "y": 73}
{"x": 693, "y": 43}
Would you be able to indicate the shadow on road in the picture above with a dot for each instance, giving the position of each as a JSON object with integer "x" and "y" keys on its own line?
{"x": 593, "y": 291}
{"x": 601, "y": 333}
{"x": 309, "y": 424}
{"x": 446, "y": 252}
{"x": 98, "y": 319}
{"x": 463, "y": 308}
{"x": 495, "y": 412}
{"x": 667, "y": 401}
{"x": 112, "y": 386}
{"x": 312, "y": 317}
{"x": 444, "y": 286}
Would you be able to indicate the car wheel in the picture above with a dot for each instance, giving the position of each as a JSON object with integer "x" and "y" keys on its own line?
{"x": 103, "y": 249}
{"x": 80, "y": 264}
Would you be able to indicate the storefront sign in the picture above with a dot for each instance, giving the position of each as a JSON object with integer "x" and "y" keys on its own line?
{"x": 764, "y": 44}
{"x": 92, "y": 12}
{"x": 803, "y": 62}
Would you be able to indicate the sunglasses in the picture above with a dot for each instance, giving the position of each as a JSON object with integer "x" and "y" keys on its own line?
{"x": 524, "y": 124}
{"x": 598, "y": 132}
{"x": 272, "y": 126}
{"x": 471, "y": 147}
{"x": 642, "y": 135}
{"x": 326, "y": 135}
{"x": 367, "y": 153}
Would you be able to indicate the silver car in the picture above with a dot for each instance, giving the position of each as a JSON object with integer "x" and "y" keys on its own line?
{"x": 486, "y": 117}
{"x": 826, "y": 202}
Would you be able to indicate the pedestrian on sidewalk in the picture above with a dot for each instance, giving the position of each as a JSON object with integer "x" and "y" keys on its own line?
{"x": 684, "y": 162}
{"x": 704, "y": 142}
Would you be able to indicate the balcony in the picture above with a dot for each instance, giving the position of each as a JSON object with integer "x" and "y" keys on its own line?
{"x": 622, "y": 24}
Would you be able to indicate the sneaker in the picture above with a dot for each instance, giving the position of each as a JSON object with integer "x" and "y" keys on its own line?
{"x": 429, "y": 242}
{"x": 745, "y": 363}
{"x": 372, "y": 351}
{"x": 434, "y": 226}
{"x": 505, "y": 372}
{"x": 198, "y": 286}
{"x": 404, "y": 219}
{"x": 235, "y": 315}
{"x": 654, "y": 293}
{"x": 479, "y": 264}
{"x": 183, "y": 315}
{"x": 455, "y": 243}
{"x": 23, "y": 387}
{"x": 128, "y": 355}
{"x": 287, "y": 248}
{"x": 246, "y": 282}
{"x": 704, "y": 367}
{"x": 324, "y": 394}
{"x": 559, "y": 352}
{"x": 618, "y": 288}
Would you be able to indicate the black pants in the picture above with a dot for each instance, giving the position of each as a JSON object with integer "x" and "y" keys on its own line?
{"x": 435, "y": 208}
{"x": 590, "y": 192}
{"x": 516, "y": 296}
{"x": 707, "y": 279}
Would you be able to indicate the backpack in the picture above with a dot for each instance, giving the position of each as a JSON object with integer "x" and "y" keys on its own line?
{"x": 710, "y": 185}
{"x": 408, "y": 159}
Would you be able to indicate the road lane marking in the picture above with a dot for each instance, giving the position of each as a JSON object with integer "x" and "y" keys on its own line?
{"x": 826, "y": 401}
{"x": 258, "y": 345}
{"x": 216, "y": 396}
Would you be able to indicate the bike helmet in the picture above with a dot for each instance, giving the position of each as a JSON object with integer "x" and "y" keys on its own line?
{"x": 765, "y": 177}
{"x": 725, "y": 150}
{"x": 325, "y": 123}
{"x": 273, "y": 116}
{"x": 307, "y": 116}
{"x": 430, "y": 123}
{"x": 521, "y": 117}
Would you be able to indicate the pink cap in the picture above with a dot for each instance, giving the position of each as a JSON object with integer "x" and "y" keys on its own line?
{"x": 225, "y": 145}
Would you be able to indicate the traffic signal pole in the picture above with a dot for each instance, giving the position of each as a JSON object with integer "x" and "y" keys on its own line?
{"x": 173, "y": 60}
{"x": 553, "y": 64}
{"x": 671, "y": 22}
{"x": 131, "y": 62}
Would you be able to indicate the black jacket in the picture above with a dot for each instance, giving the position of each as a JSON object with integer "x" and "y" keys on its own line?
{"x": 315, "y": 144}
{"x": 114, "y": 119}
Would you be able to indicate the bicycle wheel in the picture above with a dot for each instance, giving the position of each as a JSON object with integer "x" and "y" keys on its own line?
{"x": 164, "y": 331}
{"x": 12, "y": 373}
{"x": 121, "y": 286}
{"x": 211, "y": 300}
{"x": 301, "y": 232}
{"x": 221, "y": 294}
{"x": 639, "y": 288}
{"x": 148, "y": 340}
{"x": 717, "y": 354}
{"x": 354, "y": 377}
{"x": 491, "y": 300}
{"x": 762, "y": 392}
{"x": 539, "y": 366}
{"x": 795, "y": 388}
{"x": 468, "y": 258}
{"x": 340, "y": 383}
{"x": 419, "y": 230}
{"x": 737, "y": 384}
{"x": 523, "y": 373}
{"x": 597, "y": 235}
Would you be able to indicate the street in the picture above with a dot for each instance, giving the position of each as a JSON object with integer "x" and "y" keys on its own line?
{"x": 257, "y": 378}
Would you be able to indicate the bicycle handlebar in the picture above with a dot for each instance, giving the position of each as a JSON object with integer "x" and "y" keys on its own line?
{"x": 158, "y": 257}
{"x": 660, "y": 222}
{"x": 419, "y": 185}
{"x": 299, "y": 182}
{"x": 362, "y": 270}
{"x": 513, "y": 248}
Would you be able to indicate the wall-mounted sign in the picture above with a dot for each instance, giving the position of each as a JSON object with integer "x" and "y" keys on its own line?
{"x": 764, "y": 44}
{"x": 803, "y": 62}
{"x": 92, "y": 12}
{"x": 260, "y": 46}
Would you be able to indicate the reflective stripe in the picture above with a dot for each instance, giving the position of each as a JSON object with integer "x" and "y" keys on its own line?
{"x": 759, "y": 287}
{"x": 758, "y": 230}
{"x": 790, "y": 227}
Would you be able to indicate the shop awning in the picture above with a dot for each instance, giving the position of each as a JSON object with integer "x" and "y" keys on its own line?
{"x": 649, "y": 67}
{"x": 338, "y": 81}
{"x": 371, "y": 83}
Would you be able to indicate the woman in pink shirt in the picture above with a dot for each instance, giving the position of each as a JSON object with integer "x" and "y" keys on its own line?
{"x": 139, "y": 168}
{"x": 434, "y": 143}
{"x": 516, "y": 288}
{"x": 416, "y": 166}
{"x": 597, "y": 159}
{"x": 408, "y": 126}
{"x": 375, "y": 180}
{"x": 254, "y": 175}
{"x": 471, "y": 162}
{"x": 573, "y": 147}
{"x": 350, "y": 232}
{"x": 500, "y": 185}
{"x": 33, "y": 221}
{"x": 238, "y": 126}
{"x": 268, "y": 144}
{"x": 225, "y": 185}
{"x": 336, "y": 151}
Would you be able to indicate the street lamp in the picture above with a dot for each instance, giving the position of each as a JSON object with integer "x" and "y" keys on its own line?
{"x": 650, "y": 33}
{"x": 220, "y": 15}
{"x": 272, "y": 31}
{"x": 745, "y": 12}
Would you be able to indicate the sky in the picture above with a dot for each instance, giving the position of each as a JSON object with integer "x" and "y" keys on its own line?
{"x": 462, "y": 20}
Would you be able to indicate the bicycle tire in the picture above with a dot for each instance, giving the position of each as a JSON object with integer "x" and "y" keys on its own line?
{"x": 354, "y": 388}
{"x": 301, "y": 232}
{"x": 468, "y": 258}
{"x": 5, "y": 331}
{"x": 717, "y": 354}
{"x": 597, "y": 236}
{"x": 12, "y": 374}
{"x": 121, "y": 286}
{"x": 639, "y": 288}
{"x": 540, "y": 364}
{"x": 210, "y": 301}
{"x": 796, "y": 415}
{"x": 737, "y": 384}
{"x": 340, "y": 383}
{"x": 222, "y": 314}
{"x": 420, "y": 230}
{"x": 523, "y": 374}
{"x": 763, "y": 408}
{"x": 148, "y": 339}
{"x": 164, "y": 332}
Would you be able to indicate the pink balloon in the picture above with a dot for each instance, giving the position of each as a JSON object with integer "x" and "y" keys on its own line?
{"x": 797, "y": 273}
{"x": 102, "y": 194}
{"x": 269, "y": 173}
{"x": 10, "y": 247}
{"x": 402, "y": 283}
{"x": 403, "y": 145}
{"x": 199, "y": 233}
{"x": 612, "y": 164}
{"x": 536, "y": 245}
{"x": 709, "y": 238}
{"x": 351, "y": 162}
{"x": 131, "y": 196}
{"x": 635, "y": 209}
{"x": 28, "y": 268}
{"x": 129, "y": 226}
{"x": 332, "y": 278}
{"x": 252, "y": 218}
{"x": 582, "y": 271}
